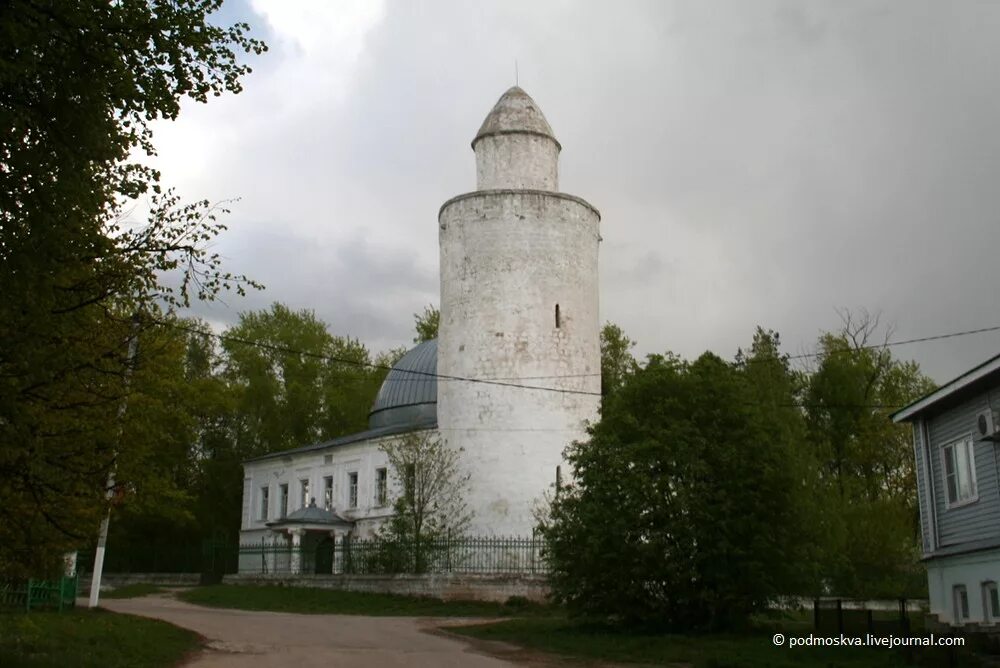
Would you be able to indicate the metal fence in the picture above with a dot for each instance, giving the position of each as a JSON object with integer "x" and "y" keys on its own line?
{"x": 833, "y": 616}
{"x": 38, "y": 594}
{"x": 371, "y": 556}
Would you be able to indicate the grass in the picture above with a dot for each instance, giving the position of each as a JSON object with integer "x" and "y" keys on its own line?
{"x": 752, "y": 650}
{"x": 324, "y": 601}
{"x": 90, "y": 638}
{"x": 548, "y": 629}
{"x": 133, "y": 591}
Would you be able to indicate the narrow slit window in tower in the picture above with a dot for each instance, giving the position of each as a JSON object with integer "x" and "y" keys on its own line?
{"x": 557, "y": 316}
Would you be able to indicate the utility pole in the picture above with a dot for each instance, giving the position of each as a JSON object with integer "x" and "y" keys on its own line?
{"x": 102, "y": 536}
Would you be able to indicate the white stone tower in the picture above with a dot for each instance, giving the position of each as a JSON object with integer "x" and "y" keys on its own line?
{"x": 519, "y": 305}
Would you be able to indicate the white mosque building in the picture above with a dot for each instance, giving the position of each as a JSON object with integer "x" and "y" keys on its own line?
{"x": 519, "y": 309}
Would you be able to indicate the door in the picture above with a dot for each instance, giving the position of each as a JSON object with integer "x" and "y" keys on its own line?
{"x": 324, "y": 556}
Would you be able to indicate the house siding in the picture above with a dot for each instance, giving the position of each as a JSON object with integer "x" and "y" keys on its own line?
{"x": 978, "y": 520}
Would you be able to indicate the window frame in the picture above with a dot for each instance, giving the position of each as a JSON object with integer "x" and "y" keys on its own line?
{"x": 960, "y": 602}
{"x": 969, "y": 445}
{"x": 328, "y": 492}
{"x": 304, "y": 492}
{"x": 352, "y": 489}
{"x": 991, "y": 595}
{"x": 381, "y": 487}
{"x": 283, "y": 500}
{"x": 410, "y": 482}
{"x": 263, "y": 503}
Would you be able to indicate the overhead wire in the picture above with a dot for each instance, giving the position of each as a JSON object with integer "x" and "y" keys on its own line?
{"x": 504, "y": 381}
{"x": 921, "y": 339}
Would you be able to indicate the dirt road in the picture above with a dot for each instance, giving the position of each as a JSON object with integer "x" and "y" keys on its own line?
{"x": 264, "y": 639}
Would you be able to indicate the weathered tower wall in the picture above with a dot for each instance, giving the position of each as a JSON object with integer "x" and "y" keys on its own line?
{"x": 511, "y": 258}
{"x": 517, "y": 161}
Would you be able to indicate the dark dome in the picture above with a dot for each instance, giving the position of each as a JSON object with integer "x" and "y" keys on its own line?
{"x": 408, "y": 396}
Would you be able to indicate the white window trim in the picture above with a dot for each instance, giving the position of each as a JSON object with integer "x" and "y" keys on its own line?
{"x": 304, "y": 491}
{"x": 328, "y": 492}
{"x": 956, "y": 603}
{"x": 283, "y": 500}
{"x": 967, "y": 439}
{"x": 381, "y": 487}
{"x": 264, "y": 503}
{"x": 353, "y": 490}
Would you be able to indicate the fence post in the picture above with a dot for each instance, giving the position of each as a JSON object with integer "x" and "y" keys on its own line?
{"x": 348, "y": 566}
{"x": 816, "y": 614}
{"x": 840, "y": 616}
{"x": 27, "y": 597}
{"x": 871, "y": 621}
{"x": 534, "y": 550}
{"x": 904, "y": 617}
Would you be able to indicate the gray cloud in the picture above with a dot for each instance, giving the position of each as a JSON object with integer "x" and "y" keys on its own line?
{"x": 755, "y": 163}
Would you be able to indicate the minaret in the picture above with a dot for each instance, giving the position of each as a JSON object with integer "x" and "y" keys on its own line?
{"x": 519, "y": 305}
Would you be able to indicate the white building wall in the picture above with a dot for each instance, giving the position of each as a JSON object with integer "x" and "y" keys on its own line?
{"x": 971, "y": 570}
{"x": 517, "y": 161}
{"x": 363, "y": 457}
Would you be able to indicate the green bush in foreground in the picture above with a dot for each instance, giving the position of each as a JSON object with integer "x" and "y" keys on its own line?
{"x": 691, "y": 506}
{"x": 91, "y": 638}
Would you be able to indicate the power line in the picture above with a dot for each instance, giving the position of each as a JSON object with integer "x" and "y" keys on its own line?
{"x": 502, "y": 381}
{"x": 922, "y": 339}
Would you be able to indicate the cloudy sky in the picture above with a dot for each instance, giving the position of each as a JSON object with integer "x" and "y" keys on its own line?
{"x": 754, "y": 162}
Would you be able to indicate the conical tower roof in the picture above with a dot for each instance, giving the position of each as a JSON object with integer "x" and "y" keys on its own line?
{"x": 515, "y": 112}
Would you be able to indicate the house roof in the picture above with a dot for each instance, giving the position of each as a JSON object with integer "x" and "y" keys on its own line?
{"x": 311, "y": 515}
{"x": 985, "y": 370}
{"x": 350, "y": 438}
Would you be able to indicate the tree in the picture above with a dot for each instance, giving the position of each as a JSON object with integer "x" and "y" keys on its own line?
{"x": 427, "y": 324}
{"x": 617, "y": 361}
{"x": 430, "y": 505}
{"x": 689, "y": 506}
{"x": 279, "y": 380}
{"x": 79, "y": 86}
{"x": 866, "y": 461}
{"x": 300, "y": 385}
{"x": 172, "y": 405}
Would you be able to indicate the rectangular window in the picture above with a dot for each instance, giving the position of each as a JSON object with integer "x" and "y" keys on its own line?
{"x": 991, "y": 602}
{"x": 352, "y": 484}
{"x": 328, "y": 492}
{"x": 381, "y": 484}
{"x": 303, "y": 493}
{"x": 959, "y": 468}
{"x": 410, "y": 481}
{"x": 283, "y": 500}
{"x": 265, "y": 492}
{"x": 961, "y": 600}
